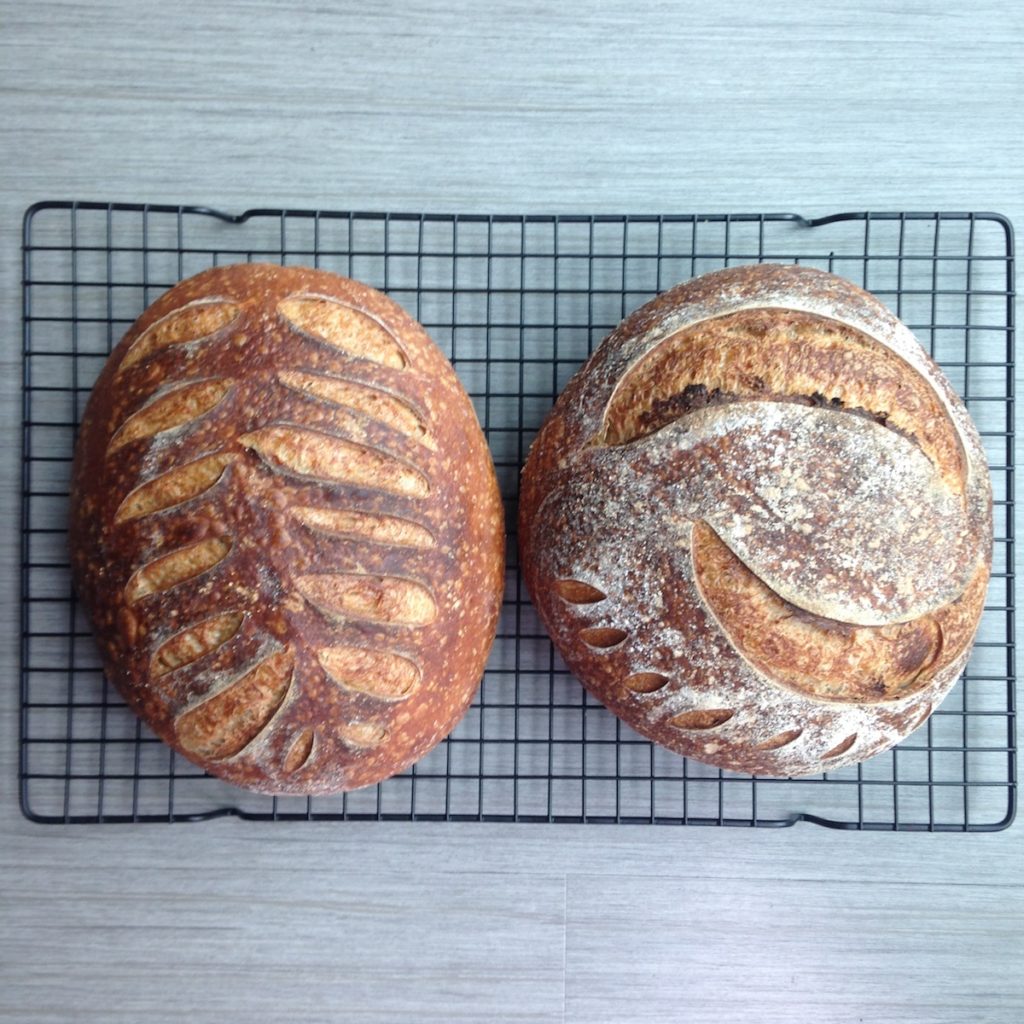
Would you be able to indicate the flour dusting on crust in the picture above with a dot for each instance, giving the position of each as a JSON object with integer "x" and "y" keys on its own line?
{"x": 850, "y": 517}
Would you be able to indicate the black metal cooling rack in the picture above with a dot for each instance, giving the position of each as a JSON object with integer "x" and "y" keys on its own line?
{"x": 517, "y": 302}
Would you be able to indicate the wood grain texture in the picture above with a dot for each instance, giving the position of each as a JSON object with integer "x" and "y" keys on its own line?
{"x": 347, "y": 948}
{"x": 897, "y": 948}
{"x": 623, "y": 107}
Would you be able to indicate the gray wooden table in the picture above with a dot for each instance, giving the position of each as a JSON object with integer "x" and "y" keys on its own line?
{"x": 614, "y": 107}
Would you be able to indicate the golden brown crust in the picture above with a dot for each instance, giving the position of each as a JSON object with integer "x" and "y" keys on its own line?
{"x": 758, "y": 523}
{"x": 287, "y": 529}
{"x": 826, "y": 659}
{"x": 792, "y": 355}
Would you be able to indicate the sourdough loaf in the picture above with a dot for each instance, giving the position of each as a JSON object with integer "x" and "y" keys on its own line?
{"x": 757, "y": 523}
{"x": 287, "y": 530}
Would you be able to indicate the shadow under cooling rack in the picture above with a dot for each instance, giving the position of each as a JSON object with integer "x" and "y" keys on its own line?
{"x": 517, "y": 303}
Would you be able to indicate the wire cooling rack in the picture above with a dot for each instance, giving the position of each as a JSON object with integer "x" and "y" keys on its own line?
{"x": 517, "y": 303}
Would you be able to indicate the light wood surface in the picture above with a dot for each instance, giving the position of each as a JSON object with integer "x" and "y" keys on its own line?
{"x": 617, "y": 107}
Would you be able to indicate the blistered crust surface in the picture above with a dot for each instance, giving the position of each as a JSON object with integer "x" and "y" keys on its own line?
{"x": 287, "y": 530}
{"x": 757, "y": 523}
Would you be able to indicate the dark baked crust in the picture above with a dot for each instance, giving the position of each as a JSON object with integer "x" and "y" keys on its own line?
{"x": 757, "y": 523}
{"x": 287, "y": 529}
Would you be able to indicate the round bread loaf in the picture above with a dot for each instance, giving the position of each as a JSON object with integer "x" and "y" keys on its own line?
{"x": 758, "y": 523}
{"x": 287, "y": 530}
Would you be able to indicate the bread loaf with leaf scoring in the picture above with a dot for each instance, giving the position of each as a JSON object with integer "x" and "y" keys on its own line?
{"x": 758, "y": 524}
{"x": 287, "y": 530}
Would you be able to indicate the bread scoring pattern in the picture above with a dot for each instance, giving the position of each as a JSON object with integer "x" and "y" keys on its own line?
{"x": 758, "y": 523}
{"x": 287, "y": 479}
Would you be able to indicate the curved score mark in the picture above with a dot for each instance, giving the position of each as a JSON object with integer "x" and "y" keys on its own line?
{"x": 822, "y": 658}
{"x": 195, "y": 642}
{"x": 169, "y": 570}
{"x": 603, "y": 638}
{"x": 198, "y": 321}
{"x": 645, "y": 682}
{"x": 370, "y": 526}
{"x": 334, "y": 460}
{"x": 362, "y": 735}
{"x": 780, "y": 740}
{"x": 174, "y": 487}
{"x": 578, "y": 592}
{"x": 226, "y": 723}
{"x": 840, "y": 748}
{"x": 703, "y": 718}
{"x": 345, "y": 328}
{"x": 926, "y": 713}
{"x": 171, "y": 410}
{"x": 374, "y": 403}
{"x": 782, "y": 355}
{"x": 379, "y": 674}
{"x": 390, "y": 600}
{"x": 300, "y": 751}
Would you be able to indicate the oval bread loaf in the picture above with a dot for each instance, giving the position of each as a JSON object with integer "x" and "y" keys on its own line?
{"x": 287, "y": 530}
{"x": 758, "y": 525}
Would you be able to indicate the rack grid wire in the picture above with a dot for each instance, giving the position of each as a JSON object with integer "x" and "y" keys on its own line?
{"x": 517, "y": 303}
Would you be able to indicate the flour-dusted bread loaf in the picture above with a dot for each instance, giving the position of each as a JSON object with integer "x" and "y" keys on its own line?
{"x": 287, "y": 530}
{"x": 758, "y": 524}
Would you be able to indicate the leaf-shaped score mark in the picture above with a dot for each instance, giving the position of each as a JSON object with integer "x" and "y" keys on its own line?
{"x": 603, "y": 638}
{"x": 578, "y": 592}
{"x": 333, "y": 460}
{"x": 196, "y": 642}
{"x": 362, "y": 735}
{"x": 344, "y": 328}
{"x": 391, "y": 600}
{"x": 379, "y": 674}
{"x": 646, "y": 682}
{"x": 373, "y": 403}
{"x": 840, "y": 748}
{"x": 300, "y": 751}
{"x": 196, "y": 322}
{"x": 702, "y": 718}
{"x": 781, "y": 739}
{"x": 176, "y": 567}
{"x": 169, "y": 411}
{"x": 174, "y": 487}
{"x": 370, "y": 526}
{"x": 225, "y": 723}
